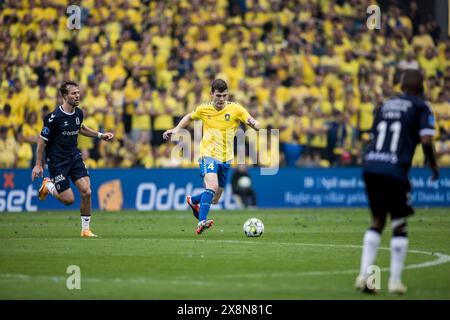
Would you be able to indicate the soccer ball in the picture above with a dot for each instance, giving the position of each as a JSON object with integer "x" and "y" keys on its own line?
{"x": 244, "y": 182}
{"x": 253, "y": 227}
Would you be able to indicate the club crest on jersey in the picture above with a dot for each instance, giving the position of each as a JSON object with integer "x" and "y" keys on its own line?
{"x": 227, "y": 117}
{"x": 77, "y": 121}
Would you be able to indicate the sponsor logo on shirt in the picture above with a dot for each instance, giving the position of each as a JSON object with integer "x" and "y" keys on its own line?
{"x": 70, "y": 133}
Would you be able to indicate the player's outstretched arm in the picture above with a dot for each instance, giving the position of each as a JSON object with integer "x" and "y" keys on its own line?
{"x": 252, "y": 122}
{"x": 185, "y": 121}
{"x": 38, "y": 170}
{"x": 428, "y": 150}
{"x": 88, "y": 132}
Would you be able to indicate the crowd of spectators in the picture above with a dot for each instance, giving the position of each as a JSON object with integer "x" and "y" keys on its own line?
{"x": 310, "y": 68}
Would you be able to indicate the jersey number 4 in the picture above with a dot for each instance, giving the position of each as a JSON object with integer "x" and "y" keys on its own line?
{"x": 396, "y": 128}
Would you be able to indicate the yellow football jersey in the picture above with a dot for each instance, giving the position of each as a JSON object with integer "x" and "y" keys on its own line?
{"x": 219, "y": 128}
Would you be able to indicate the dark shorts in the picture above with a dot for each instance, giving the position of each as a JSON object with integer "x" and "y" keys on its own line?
{"x": 388, "y": 195}
{"x": 60, "y": 174}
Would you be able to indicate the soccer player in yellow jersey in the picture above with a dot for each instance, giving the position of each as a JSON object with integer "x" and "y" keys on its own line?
{"x": 220, "y": 118}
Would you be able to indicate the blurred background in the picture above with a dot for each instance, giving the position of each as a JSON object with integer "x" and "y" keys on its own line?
{"x": 310, "y": 68}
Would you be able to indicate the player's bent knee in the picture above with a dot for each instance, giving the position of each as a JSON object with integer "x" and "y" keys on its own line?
{"x": 399, "y": 228}
{"x": 376, "y": 229}
{"x": 85, "y": 193}
{"x": 68, "y": 201}
{"x": 400, "y": 233}
{"x": 213, "y": 187}
{"x": 378, "y": 223}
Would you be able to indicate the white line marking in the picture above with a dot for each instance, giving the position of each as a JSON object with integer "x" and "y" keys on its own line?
{"x": 44, "y": 278}
{"x": 441, "y": 259}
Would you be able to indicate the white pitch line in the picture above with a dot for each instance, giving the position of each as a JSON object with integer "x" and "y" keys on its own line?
{"x": 5, "y": 277}
{"x": 441, "y": 259}
{"x": 14, "y": 277}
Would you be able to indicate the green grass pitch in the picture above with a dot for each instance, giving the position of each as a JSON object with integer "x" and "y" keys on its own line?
{"x": 303, "y": 254}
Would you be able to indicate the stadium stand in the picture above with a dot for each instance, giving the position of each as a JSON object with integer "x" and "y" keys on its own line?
{"x": 309, "y": 68}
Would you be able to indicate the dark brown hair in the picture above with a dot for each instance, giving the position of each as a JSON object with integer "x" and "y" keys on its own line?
{"x": 218, "y": 85}
{"x": 64, "y": 89}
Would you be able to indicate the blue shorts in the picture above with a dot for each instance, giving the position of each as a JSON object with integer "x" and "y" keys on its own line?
{"x": 60, "y": 174}
{"x": 211, "y": 165}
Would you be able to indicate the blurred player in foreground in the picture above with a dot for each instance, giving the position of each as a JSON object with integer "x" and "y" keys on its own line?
{"x": 399, "y": 125}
